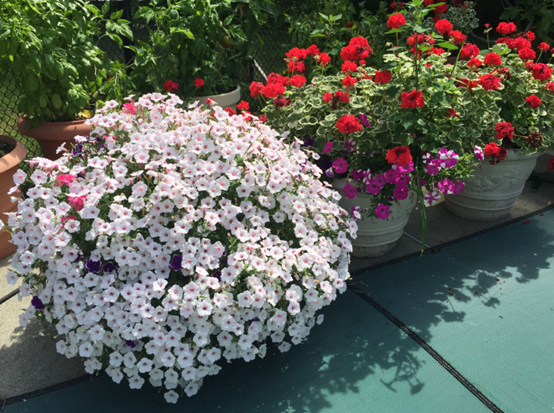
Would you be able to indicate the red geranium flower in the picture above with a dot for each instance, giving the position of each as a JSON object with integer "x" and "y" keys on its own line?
{"x": 504, "y": 130}
{"x": 243, "y": 105}
{"x": 550, "y": 165}
{"x": 382, "y": 77}
{"x": 349, "y": 124}
{"x": 348, "y": 81}
{"x": 412, "y": 99}
{"x": 550, "y": 86}
{"x": 443, "y": 27}
{"x": 457, "y": 36}
{"x": 272, "y": 90}
{"x": 171, "y": 86}
{"x": 323, "y": 59}
{"x": 396, "y": 20}
{"x": 297, "y": 53}
{"x": 441, "y": 9}
{"x": 492, "y": 59}
{"x": 533, "y": 101}
{"x": 468, "y": 51}
{"x": 296, "y": 66}
{"x": 541, "y": 71}
{"x": 327, "y": 97}
{"x": 543, "y": 46}
{"x": 470, "y": 84}
{"x": 489, "y": 82}
{"x": 506, "y": 28}
{"x": 530, "y": 36}
{"x": 281, "y": 101}
{"x": 451, "y": 113}
{"x": 349, "y": 66}
{"x": 474, "y": 62}
{"x": 297, "y": 81}
{"x": 427, "y": 3}
{"x": 255, "y": 88}
{"x": 491, "y": 149}
{"x": 230, "y": 111}
{"x": 399, "y": 155}
{"x": 313, "y": 50}
{"x": 358, "y": 48}
{"x": 527, "y": 54}
{"x": 198, "y": 82}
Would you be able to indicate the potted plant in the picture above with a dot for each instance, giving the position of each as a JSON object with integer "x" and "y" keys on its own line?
{"x": 523, "y": 95}
{"x": 178, "y": 250}
{"x": 48, "y": 50}
{"x": 12, "y": 153}
{"x": 197, "y": 49}
{"x": 391, "y": 133}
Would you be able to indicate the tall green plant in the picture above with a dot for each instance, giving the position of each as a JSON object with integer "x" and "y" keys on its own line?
{"x": 49, "y": 48}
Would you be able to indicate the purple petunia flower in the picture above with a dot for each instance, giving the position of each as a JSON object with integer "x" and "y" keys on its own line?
{"x": 109, "y": 267}
{"x": 176, "y": 262}
{"x": 308, "y": 142}
{"x": 328, "y": 147}
{"x": 340, "y": 166}
{"x": 93, "y": 266}
{"x": 37, "y": 303}
{"x": 130, "y": 343}
{"x": 349, "y": 191}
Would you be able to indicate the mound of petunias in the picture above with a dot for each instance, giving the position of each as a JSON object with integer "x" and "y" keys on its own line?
{"x": 197, "y": 237}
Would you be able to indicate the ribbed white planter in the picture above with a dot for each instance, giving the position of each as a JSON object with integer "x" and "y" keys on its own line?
{"x": 224, "y": 100}
{"x": 541, "y": 170}
{"x": 493, "y": 190}
{"x": 376, "y": 237}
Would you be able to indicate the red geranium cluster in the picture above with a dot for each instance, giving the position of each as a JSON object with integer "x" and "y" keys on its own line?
{"x": 170, "y": 86}
{"x": 349, "y": 66}
{"x": 338, "y": 97}
{"x": 198, "y": 82}
{"x": 358, "y": 48}
{"x": 533, "y": 101}
{"x": 527, "y": 54}
{"x": 541, "y": 72}
{"x": 443, "y": 27}
{"x": 349, "y": 124}
{"x": 504, "y": 130}
{"x": 469, "y": 84}
{"x": 468, "y": 51}
{"x": 474, "y": 62}
{"x": 497, "y": 153}
{"x": 543, "y": 47}
{"x": 492, "y": 59}
{"x": 295, "y": 58}
{"x": 382, "y": 77}
{"x": 396, "y": 20}
{"x": 412, "y": 100}
{"x": 275, "y": 86}
{"x": 506, "y": 28}
{"x": 489, "y": 82}
{"x": 400, "y": 155}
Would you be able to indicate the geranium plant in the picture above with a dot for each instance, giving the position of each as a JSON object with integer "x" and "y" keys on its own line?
{"x": 171, "y": 240}
{"x": 50, "y": 51}
{"x": 388, "y": 130}
{"x": 522, "y": 89}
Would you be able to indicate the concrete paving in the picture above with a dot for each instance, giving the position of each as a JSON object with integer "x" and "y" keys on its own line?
{"x": 28, "y": 358}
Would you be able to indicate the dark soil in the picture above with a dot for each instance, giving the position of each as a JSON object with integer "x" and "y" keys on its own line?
{"x": 6, "y": 148}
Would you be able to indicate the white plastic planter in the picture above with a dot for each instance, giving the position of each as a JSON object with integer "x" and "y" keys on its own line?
{"x": 376, "y": 237}
{"x": 493, "y": 190}
{"x": 224, "y": 100}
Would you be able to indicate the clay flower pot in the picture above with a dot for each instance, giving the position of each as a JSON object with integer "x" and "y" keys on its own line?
{"x": 8, "y": 167}
{"x": 50, "y": 135}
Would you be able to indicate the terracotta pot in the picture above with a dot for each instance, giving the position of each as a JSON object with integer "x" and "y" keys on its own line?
{"x": 8, "y": 167}
{"x": 50, "y": 135}
{"x": 224, "y": 100}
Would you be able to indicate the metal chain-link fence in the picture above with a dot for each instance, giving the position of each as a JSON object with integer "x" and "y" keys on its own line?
{"x": 268, "y": 59}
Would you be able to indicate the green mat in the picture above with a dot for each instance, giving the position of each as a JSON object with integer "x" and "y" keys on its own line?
{"x": 356, "y": 361}
{"x": 486, "y": 306}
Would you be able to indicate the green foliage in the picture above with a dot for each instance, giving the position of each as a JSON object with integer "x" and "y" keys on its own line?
{"x": 539, "y": 12}
{"x": 206, "y": 39}
{"x": 49, "y": 51}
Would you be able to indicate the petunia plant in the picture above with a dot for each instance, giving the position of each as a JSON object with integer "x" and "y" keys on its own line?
{"x": 172, "y": 240}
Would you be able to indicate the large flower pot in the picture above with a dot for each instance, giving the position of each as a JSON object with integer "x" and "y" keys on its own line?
{"x": 541, "y": 170}
{"x": 8, "y": 167}
{"x": 225, "y": 100}
{"x": 493, "y": 189}
{"x": 376, "y": 237}
{"x": 50, "y": 135}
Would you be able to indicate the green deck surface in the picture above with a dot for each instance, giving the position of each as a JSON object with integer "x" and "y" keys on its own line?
{"x": 484, "y": 304}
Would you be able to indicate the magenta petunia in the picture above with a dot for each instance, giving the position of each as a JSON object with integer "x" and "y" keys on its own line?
{"x": 328, "y": 147}
{"x": 401, "y": 192}
{"x": 340, "y": 166}
{"x": 382, "y": 211}
{"x": 349, "y": 191}
{"x": 446, "y": 186}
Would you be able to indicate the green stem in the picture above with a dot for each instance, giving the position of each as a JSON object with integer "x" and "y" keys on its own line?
{"x": 416, "y": 64}
{"x": 457, "y": 58}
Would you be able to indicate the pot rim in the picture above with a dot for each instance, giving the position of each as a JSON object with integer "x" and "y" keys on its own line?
{"x": 13, "y": 158}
